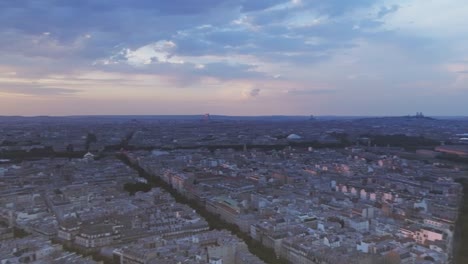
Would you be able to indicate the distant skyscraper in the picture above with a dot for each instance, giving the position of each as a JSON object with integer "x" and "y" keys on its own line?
{"x": 206, "y": 117}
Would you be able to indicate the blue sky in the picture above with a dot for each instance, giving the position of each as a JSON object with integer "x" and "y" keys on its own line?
{"x": 235, "y": 57}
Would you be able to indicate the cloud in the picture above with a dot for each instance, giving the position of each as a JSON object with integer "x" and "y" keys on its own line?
{"x": 310, "y": 91}
{"x": 337, "y": 8}
{"x": 44, "y": 45}
{"x": 199, "y": 29}
{"x": 207, "y": 45}
{"x": 387, "y": 10}
{"x": 251, "y": 93}
{"x": 436, "y": 19}
{"x": 36, "y": 90}
{"x": 249, "y": 6}
{"x": 157, "y": 52}
{"x": 161, "y": 57}
{"x": 254, "y": 92}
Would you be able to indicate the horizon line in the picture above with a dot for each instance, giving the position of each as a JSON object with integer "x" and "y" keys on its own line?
{"x": 215, "y": 115}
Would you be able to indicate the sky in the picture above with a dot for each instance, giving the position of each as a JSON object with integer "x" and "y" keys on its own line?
{"x": 233, "y": 57}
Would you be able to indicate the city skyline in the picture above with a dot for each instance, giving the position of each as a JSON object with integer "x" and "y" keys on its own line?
{"x": 233, "y": 57}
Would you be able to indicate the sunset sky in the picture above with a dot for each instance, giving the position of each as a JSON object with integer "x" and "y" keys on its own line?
{"x": 234, "y": 57}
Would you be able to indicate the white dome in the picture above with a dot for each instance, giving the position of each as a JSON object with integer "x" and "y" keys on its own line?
{"x": 88, "y": 155}
{"x": 294, "y": 136}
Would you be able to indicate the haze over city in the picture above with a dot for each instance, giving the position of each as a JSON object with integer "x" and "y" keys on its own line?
{"x": 233, "y": 57}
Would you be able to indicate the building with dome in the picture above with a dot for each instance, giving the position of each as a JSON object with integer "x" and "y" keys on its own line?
{"x": 294, "y": 137}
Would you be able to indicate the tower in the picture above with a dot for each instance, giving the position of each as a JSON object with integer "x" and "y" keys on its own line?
{"x": 206, "y": 117}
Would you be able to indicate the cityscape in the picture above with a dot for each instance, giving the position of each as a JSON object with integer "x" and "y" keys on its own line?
{"x": 216, "y": 189}
{"x": 233, "y": 132}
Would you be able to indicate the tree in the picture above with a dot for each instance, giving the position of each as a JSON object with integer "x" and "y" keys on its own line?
{"x": 132, "y": 188}
{"x": 90, "y": 138}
